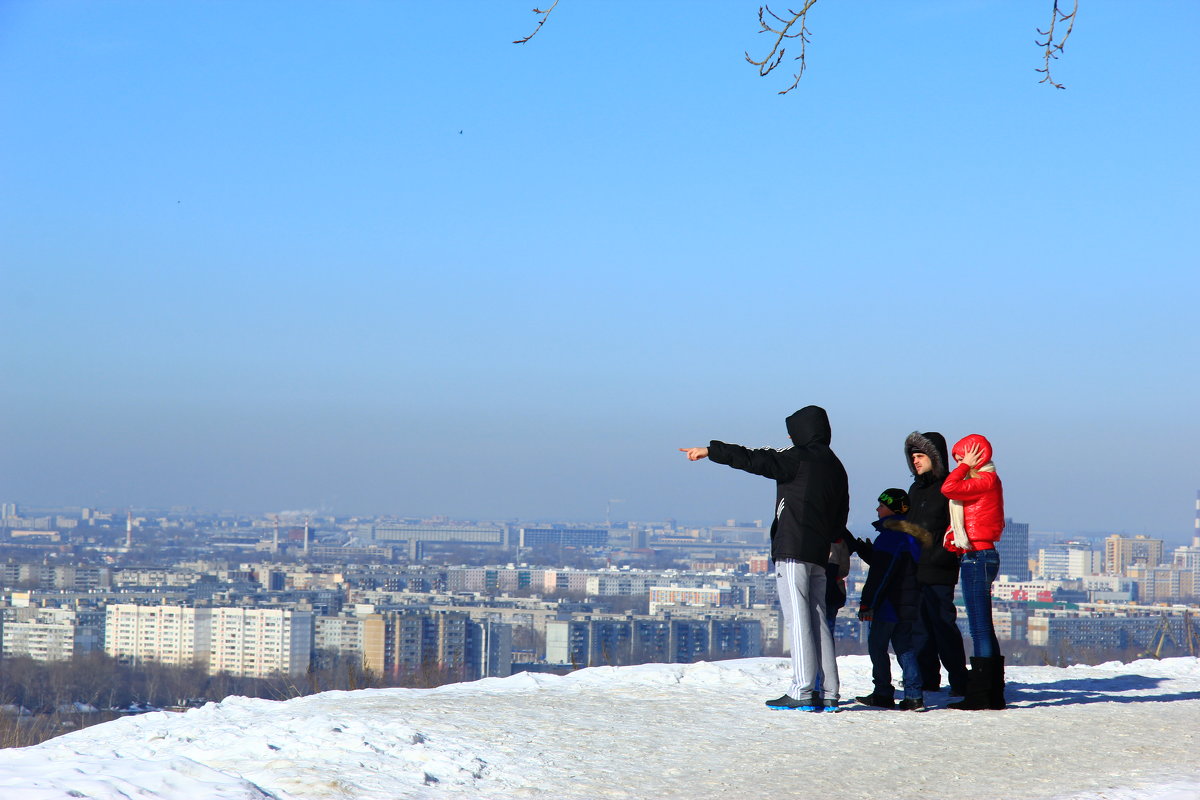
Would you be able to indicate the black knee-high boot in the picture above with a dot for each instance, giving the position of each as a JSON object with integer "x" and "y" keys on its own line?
{"x": 996, "y": 688}
{"x": 979, "y": 686}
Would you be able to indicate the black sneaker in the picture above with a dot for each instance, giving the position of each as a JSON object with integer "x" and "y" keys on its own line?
{"x": 787, "y": 703}
{"x": 877, "y": 701}
{"x": 916, "y": 704}
{"x": 826, "y": 706}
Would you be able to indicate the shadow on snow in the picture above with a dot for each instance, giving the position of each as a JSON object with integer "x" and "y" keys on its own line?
{"x": 1079, "y": 691}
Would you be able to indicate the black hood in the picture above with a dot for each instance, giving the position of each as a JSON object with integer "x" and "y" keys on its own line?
{"x": 932, "y": 444}
{"x": 810, "y": 426}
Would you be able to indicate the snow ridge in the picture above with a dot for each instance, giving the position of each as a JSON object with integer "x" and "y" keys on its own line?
{"x": 1110, "y": 732}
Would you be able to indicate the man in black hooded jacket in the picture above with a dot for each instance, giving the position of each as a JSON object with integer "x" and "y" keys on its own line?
{"x": 812, "y": 501}
{"x": 937, "y": 635}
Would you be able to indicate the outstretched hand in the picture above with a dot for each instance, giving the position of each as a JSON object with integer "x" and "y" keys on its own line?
{"x": 695, "y": 453}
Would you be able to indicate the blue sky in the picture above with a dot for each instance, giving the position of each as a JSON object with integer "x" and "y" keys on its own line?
{"x": 372, "y": 256}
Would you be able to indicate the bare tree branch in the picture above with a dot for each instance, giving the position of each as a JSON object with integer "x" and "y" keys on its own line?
{"x": 775, "y": 56}
{"x": 1054, "y": 48}
{"x": 795, "y": 26}
{"x": 545, "y": 15}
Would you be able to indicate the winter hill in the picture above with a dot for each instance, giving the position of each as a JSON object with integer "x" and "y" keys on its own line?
{"x": 1114, "y": 731}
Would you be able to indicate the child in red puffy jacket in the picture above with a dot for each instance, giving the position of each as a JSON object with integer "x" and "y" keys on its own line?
{"x": 976, "y": 522}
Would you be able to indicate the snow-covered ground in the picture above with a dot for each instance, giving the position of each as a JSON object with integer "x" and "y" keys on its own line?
{"x": 1115, "y": 731}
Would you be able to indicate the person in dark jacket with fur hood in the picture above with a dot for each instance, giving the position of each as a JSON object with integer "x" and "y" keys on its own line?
{"x": 936, "y": 636}
{"x": 812, "y": 502}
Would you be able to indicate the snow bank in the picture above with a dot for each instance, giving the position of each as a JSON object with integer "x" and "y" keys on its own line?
{"x": 1111, "y": 732}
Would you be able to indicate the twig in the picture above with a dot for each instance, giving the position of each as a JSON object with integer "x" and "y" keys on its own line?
{"x": 775, "y": 56}
{"x": 1053, "y": 48}
{"x": 545, "y": 15}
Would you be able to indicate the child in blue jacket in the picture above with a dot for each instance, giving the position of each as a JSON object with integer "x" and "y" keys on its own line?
{"x": 890, "y": 601}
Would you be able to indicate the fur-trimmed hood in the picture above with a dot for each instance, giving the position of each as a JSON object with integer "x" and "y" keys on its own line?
{"x": 932, "y": 444}
{"x": 916, "y": 531}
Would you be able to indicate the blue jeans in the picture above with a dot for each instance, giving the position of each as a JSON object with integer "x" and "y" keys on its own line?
{"x": 899, "y": 635}
{"x": 977, "y": 571}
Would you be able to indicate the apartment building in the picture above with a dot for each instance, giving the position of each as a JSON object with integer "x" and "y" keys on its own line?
{"x": 1043, "y": 591}
{"x": 260, "y": 642}
{"x": 1164, "y": 582}
{"x": 175, "y": 635}
{"x": 1108, "y": 630}
{"x": 1121, "y": 552}
{"x": 51, "y": 634}
{"x": 411, "y": 640}
{"x": 340, "y": 635}
{"x": 601, "y": 639}
{"x": 245, "y": 642}
{"x": 1069, "y": 560}
{"x": 43, "y": 576}
{"x": 707, "y": 596}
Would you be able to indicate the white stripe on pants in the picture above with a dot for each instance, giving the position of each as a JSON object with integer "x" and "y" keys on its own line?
{"x": 801, "y": 588}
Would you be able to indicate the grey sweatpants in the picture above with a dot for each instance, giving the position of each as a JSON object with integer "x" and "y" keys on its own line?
{"x": 801, "y": 588}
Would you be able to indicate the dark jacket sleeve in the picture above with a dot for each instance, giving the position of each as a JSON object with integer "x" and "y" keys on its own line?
{"x": 878, "y": 577}
{"x": 865, "y": 549}
{"x": 763, "y": 461}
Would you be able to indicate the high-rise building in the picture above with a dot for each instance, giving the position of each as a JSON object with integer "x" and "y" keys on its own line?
{"x": 260, "y": 642}
{"x": 1121, "y": 552}
{"x": 174, "y": 635}
{"x": 1013, "y": 549}
{"x": 1068, "y": 560}
{"x": 245, "y": 642}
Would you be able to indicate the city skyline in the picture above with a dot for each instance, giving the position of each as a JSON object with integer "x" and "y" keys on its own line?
{"x": 138, "y": 518}
{"x": 375, "y": 257}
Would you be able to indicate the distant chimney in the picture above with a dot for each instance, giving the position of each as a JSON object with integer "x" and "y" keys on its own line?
{"x": 1196, "y": 535}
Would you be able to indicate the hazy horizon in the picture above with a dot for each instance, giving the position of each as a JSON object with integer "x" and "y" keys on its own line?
{"x": 618, "y": 521}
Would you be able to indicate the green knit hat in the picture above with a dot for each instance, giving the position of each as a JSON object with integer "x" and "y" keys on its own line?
{"x": 896, "y": 500}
